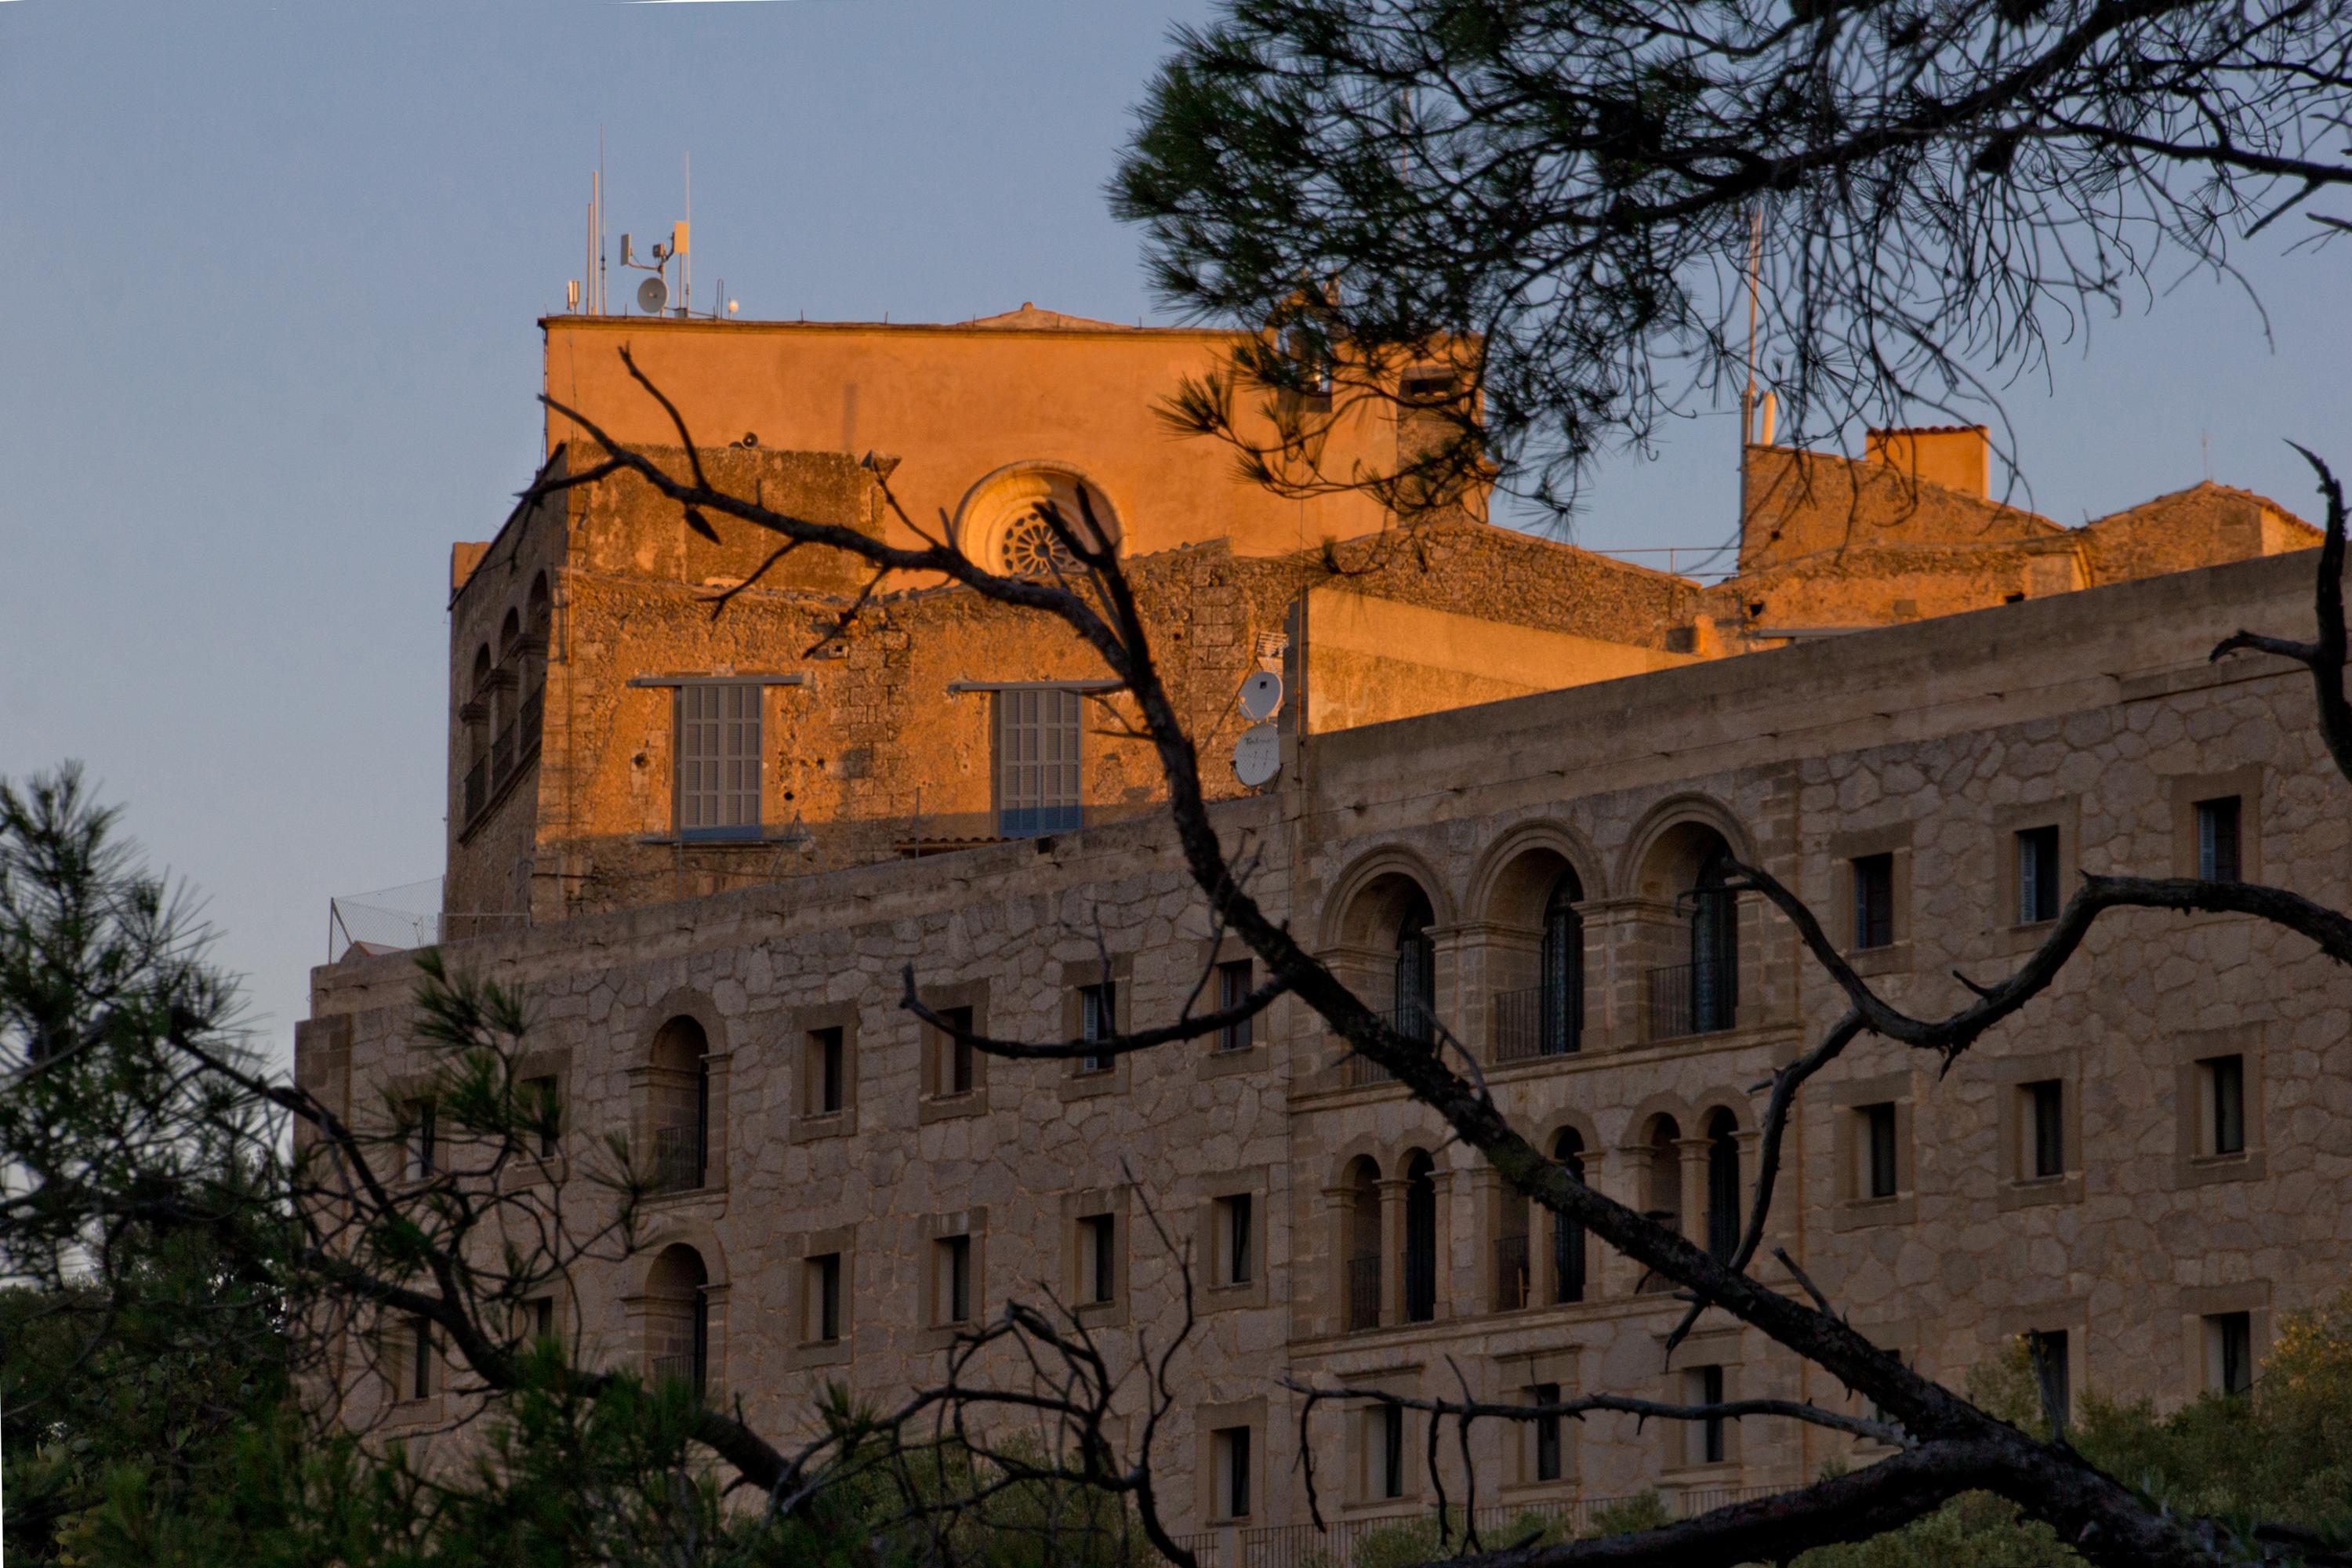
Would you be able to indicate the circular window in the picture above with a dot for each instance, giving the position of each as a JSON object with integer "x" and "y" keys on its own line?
{"x": 999, "y": 526}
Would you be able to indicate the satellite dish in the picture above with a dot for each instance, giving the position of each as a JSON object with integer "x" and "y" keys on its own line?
{"x": 652, "y": 295}
{"x": 1257, "y": 756}
{"x": 1261, "y": 696}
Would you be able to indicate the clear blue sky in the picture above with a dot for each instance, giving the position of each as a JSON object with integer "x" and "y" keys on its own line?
{"x": 267, "y": 283}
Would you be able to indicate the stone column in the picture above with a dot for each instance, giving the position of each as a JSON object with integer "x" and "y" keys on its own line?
{"x": 1392, "y": 1249}
{"x": 1327, "y": 1305}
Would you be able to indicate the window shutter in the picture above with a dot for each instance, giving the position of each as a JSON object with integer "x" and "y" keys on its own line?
{"x": 718, "y": 759}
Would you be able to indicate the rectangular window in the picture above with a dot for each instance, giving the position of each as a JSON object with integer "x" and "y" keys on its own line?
{"x": 1878, "y": 1167}
{"x": 1097, "y": 1020}
{"x": 2224, "y": 1082}
{"x": 822, "y": 1274}
{"x": 1708, "y": 1444}
{"x": 2045, "y": 1127}
{"x": 952, "y": 1260}
{"x": 827, "y": 1085}
{"x": 2049, "y": 1350}
{"x": 543, "y": 1104}
{"x": 2037, "y": 874}
{"x": 2230, "y": 1352}
{"x": 1231, "y": 1445}
{"x": 1389, "y": 1422}
{"x": 2217, "y": 840}
{"x": 1873, "y": 900}
{"x": 1037, "y": 762}
{"x": 1547, "y": 1432}
{"x": 719, "y": 761}
{"x": 1098, "y": 1257}
{"x": 1237, "y": 1244}
{"x": 956, "y": 1076}
{"x": 1234, "y": 986}
{"x": 543, "y": 1317}
{"x": 420, "y": 1358}
{"x": 425, "y": 1140}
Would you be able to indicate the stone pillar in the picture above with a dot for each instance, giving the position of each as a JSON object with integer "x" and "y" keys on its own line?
{"x": 1392, "y": 1249}
{"x": 1327, "y": 1305}
{"x": 1693, "y": 1153}
{"x": 1543, "y": 1278}
{"x": 1629, "y": 1178}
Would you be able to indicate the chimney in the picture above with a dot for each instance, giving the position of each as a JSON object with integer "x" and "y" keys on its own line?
{"x": 1957, "y": 456}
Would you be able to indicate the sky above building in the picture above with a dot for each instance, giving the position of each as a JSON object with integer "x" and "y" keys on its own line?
{"x": 268, "y": 280}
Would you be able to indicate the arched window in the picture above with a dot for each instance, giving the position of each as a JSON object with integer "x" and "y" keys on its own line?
{"x": 1361, "y": 1283}
{"x": 1416, "y": 973}
{"x": 1560, "y": 988}
{"x": 677, "y": 1318}
{"x": 1714, "y": 948}
{"x": 1568, "y": 1234}
{"x": 1420, "y": 1239}
{"x": 678, "y": 1108}
{"x": 1722, "y": 1186}
{"x": 539, "y": 609}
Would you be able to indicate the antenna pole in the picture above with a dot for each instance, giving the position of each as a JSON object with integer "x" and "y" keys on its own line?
{"x": 1747, "y": 396}
{"x": 599, "y": 220}
{"x": 686, "y": 262}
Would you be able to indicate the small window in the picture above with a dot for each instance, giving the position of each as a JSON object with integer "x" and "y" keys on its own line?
{"x": 1098, "y": 1257}
{"x": 822, "y": 1274}
{"x": 1708, "y": 1434}
{"x": 955, "y": 1068}
{"x": 952, "y": 1259}
{"x": 1873, "y": 901}
{"x": 542, "y": 1103}
{"x": 1097, "y": 1020}
{"x": 1231, "y": 1445}
{"x": 827, "y": 1080}
{"x": 2053, "y": 1351}
{"x": 539, "y": 1313}
{"x": 1037, "y": 762}
{"x": 1388, "y": 1422}
{"x": 1879, "y": 1176}
{"x": 1236, "y": 1239}
{"x": 419, "y": 1349}
{"x": 2230, "y": 1352}
{"x": 719, "y": 761}
{"x": 2037, "y": 876}
{"x": 2217, "y": 840}
{"x": 1234, "y": 986}
{"x": 1547, "y": 1432}
{"x": 2045, "y": 1128}
{"x": 2223, "y": 1080}
{"x": 423, "y": 1140}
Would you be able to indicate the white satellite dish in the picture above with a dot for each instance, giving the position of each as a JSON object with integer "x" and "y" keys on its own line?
{"x": 1261, "y": 696}
{"x": 652, "y": 295}
{"x": 1257, "y": 756}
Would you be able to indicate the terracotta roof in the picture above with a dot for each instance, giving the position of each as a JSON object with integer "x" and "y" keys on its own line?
{"x": 1029, "y": 317}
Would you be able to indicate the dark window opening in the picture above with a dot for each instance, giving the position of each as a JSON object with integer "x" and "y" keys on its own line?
{"x": 955, "y": 1284}
{"x": 827, "y": 1084}
{"x": 1715, "y": 949}
{"x": 1233, "y": 1451}
{"x": 1567, "y": 1234}
{"x": 2232, "y": 1336}
{"x": 956, "y": 1075}
{"x": 1234, "y": 986}
{"x": 1097, "y": 1020}
{"x": 1392, "y": 1428}
{"x": 2037, "y": 876}
{"x": 544, "y": 1106}
{"x": 1421, "y": 1240}
{"x": 2225, "y": 1078}
{"x": 1873, "y": 901}
{"x": 1548, "y": 1466}
{"x": 420, "y": 1358}
{"x": 2047, "y": 1102}
{"x": 1560, "y": 988}
{"x": 1708, "y": 1390}
{"x": 1723, "y": 1215}
{"x": 1416, "y": 1016}
{"x": 1098, "y": 1257}
{"x": 1239, "y": 1241}
{"x": 824, "y": 1280}
{"x": 1879, "y": 1167}
{"x": 2217, "y": 840}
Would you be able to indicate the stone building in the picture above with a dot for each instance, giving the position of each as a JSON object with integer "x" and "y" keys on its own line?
{"x": 703, "y": 849}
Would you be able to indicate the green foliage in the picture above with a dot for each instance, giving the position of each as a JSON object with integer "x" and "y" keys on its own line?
{"x": 1644, "y": 1510}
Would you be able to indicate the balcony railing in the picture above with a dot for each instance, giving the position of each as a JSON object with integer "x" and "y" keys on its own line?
{"x": 1525, "y": 1027}
{"x": 502, "y": 755}
{"x": 677, "y": 1162}
{"x": 677, "y": 1369}
{"x": 1511, "y": 1290}
{"x": 1363, "y": 1294}
{"x": 1689, "y": 999}
{"x": 1361, "y": 1071}
{"x": 534, "y": 713}
{"x": 478, "y": 788}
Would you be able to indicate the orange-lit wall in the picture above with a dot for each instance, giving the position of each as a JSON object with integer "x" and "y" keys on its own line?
{"x": 959, "y": 403}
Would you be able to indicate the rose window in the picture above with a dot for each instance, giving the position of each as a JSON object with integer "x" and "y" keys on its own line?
{"x": 1032, "y": 551}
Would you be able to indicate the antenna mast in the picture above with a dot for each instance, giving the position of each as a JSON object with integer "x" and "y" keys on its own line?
{"x": 1748, "y": 395}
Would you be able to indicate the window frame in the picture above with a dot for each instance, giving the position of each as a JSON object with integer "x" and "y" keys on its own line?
{"x": 825, "y": 1035}
{"x": 725, "y": 799}
{"x": 1011, "y": 731}
{"x": 937, "y": 1099}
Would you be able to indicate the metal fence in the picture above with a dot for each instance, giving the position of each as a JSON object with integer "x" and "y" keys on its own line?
{"x": 1511, "y": 1282}
{"x": 1398, "y": 1537}
{"x": 1689, "y": 999}
{"x": 1531, "y": 1022}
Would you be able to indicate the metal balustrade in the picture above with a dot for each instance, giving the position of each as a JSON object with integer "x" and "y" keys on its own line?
{"x": 1524, "y": 1028}
{"x": 1511, "y": 1288}
{"x": 1689, "y": 999}
{"x": 1346, "y": 1542}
